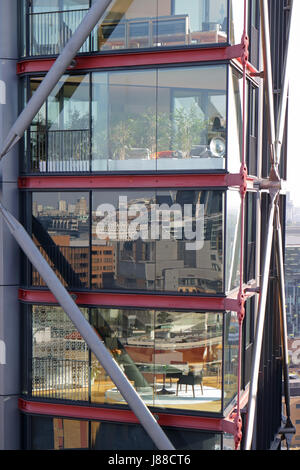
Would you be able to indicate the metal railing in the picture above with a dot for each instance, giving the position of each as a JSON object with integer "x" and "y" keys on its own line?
{"x": 49, "y": 32}
{"x": 60, "y": 151}
{"x": 60, "y": 378}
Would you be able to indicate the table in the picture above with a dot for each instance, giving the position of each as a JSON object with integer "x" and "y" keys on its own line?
{"x": 161, "y": 369}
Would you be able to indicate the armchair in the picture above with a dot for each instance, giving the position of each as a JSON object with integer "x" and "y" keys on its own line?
{"x": 192, "y": 378}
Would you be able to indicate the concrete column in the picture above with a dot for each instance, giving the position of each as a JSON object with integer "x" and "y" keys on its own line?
{"x": 9, "y": 251}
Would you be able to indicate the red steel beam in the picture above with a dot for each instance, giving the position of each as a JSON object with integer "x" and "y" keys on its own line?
{"x": 111, "y": 299}
{"x": 140, "y": 58}
{"x": 222, "y": 180}
{"x": 124, "y": 416}
{"x": 105, "y": 299}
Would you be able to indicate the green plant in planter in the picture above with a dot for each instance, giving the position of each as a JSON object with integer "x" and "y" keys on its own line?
{"x": 188, "y": 126}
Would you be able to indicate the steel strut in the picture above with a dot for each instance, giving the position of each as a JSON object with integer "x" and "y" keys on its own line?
{"x": 275, "y": 135}
{"x": 260, "y": 326}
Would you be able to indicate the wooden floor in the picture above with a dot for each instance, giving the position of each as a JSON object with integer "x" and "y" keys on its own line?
{"x": 98, "y": 396}
{"x": 98, "y": 390}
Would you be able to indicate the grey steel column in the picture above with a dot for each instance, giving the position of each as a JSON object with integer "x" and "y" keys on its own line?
{"x": 9, "y": 251}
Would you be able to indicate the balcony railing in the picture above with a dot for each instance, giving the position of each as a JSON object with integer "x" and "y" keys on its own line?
{"x": 49, "y": 32}
{"x": 60, "y": 378}
{"x": 60, "y": 151}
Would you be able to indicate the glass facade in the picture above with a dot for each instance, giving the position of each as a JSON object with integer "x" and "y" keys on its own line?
{"x": 60, "y": 357}
{"x": 149, "y": 234}
{"x": 231, "y": 343}
{"x": 61, "y": 229}
{"x": 176, "y": 360}
{"x": 61, "y": 434}
{"x": 59, "y": 135}
{"x": 143, "y": 120}
{"x": 176, "y": 241}
{"x": 235, "y": 120}
{"x": 172, "y": 358}
{"x": 127, "y": 25}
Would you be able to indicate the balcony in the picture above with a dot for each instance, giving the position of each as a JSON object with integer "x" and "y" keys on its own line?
{"x": 49, "y": 32}
{"x": 137, "y": 26}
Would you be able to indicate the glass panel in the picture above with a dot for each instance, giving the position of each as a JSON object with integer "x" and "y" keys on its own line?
{"x": 235, "y": 120}
{"x": 41, "y": 433}
{"x": 164, "y": 241}
{"x": 52, "y": 23}
{"x": 22, "y": 25}
{"x": 252, "y": 160}
{"x": 37, "y": 133}
{"x": 123, "y": 332}
{"x": 25, "y": 161}
{"x": 191, "y": 118}
{"x": 60, "y": 133}
{"x": 60, "y": 433}
{"x": 251, "y": 236}
{"x": 124, "y": 121}
{"x": 207, "y": 19}
{"x": 173, "y": 359}
{"x": 128, "y": 24}
{"x": 228, "y": 442}
{"x": 179, "y": 125}
{"x": 248, "y": 335}
{"x": 233, "y": 240}
{"x": 37, "y": 6}
{"x": 168, "y": 119}
{"x": 68, "y": 125}
{"x": 70, "y": 434}
{"x": 119, "y": 436}
{"x": 61, "y": 230}
{"x": 231, "y": 344}
{"x": 236, "y": 25}
{"x": 60, "y": 366}
{"x": 150, "y": 23}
